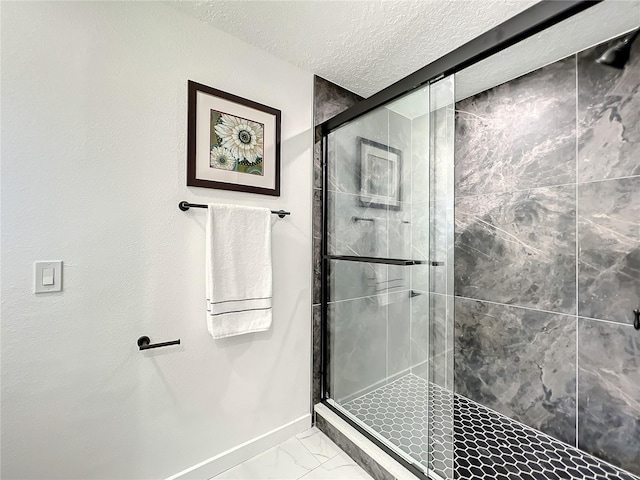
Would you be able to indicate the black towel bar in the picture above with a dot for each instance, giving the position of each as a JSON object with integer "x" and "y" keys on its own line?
{"x": 184, "y": 206}
{"x": 145, "y": 343}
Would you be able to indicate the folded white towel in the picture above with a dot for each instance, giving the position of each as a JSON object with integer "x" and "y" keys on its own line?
{"x": 238, "y": 270}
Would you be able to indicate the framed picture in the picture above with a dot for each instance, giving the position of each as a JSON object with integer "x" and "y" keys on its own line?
{"x": 380, "y": 168}
{"x": 233, "y": 143}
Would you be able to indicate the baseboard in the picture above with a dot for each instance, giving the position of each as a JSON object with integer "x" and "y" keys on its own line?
{"x": 232, "y": 457}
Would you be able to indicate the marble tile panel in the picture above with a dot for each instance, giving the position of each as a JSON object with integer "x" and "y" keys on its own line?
{"x": 316, "y": 369}
{"x": 420, "y": 158}
{"x": 289, "y": 460}
{"x": 317, "y": 244}
{"x": 400, "y": 138}
{"x": 399, "y": 332}
{"x": 609, "y": 116}
{"x": 349, "y": 280}
{"x": 354, "y": 229}
{"x": 365, "y": 461}
{"x": 318, "y": 444}
{"x": 419, "y": 274}
{"x": 340, "y": 467}
{"x": 420, "y": 310}
{"x": 518, "y": 248}
{"x": 518, "y": 135}
{"x": 345, "y": 148}
{"x": 400, "y": 232}
{"x": 420, "y": 229}
{"x": 440, "y": 245}
{"x": 609, "y": 249}
{"x": 441, "y": 339}
{"x": 609, "y": 392}
{"x": 330, "y": 99}
{"x": 519, "y": 362}
{"x": 317, "y": 158}
{"x": 358, "y": 331}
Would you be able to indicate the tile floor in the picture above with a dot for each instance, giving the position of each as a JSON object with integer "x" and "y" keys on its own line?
{"x": 310, "y": 455}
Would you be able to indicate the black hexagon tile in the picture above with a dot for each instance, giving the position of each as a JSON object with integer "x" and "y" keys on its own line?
{"x": 469, "y": 441}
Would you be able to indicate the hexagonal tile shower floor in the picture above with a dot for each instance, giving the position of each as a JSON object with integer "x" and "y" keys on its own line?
{"x": 469, "y": 439}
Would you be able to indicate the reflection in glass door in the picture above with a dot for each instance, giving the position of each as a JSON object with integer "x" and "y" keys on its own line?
{"x": 388, "y": 261}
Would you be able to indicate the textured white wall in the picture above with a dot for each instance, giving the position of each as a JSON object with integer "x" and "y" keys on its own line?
{"x": 93, "y": 167}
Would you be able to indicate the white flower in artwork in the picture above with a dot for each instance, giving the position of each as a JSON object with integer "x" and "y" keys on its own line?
{"x": 222, "y": 158}
{"x": 243, "y": 138}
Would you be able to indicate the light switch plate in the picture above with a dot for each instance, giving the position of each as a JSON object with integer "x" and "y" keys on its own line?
{"x": 40, "y": 267}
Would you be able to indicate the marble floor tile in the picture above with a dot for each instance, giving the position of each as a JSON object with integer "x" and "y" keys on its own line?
{"x": 319, "y": 444}
{"x": 609, "y": 392}
{"x": 340, "y": 467}
{"x": 289, "y": 460}
{"x": 609, "y": 249}
{"x": 520, "y": 362}
{"x": 518, "y": 248}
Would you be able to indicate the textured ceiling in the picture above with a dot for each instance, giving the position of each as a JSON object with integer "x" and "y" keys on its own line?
{"x": 362, "y": 45}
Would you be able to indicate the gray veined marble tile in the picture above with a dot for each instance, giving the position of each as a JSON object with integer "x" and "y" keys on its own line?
{"x": 317, "y": 244}
{"x": 518, "y": 135}
{"x": 609, "y": 393}
{"x": 518, "y": 248}
{"x": 609, "y": 249}
{"x": 400, "y": 138}
{"x": 358, "y": 343}
{"x": 399, "y": 332}
{"x": 609, "y": 116}
{"x": 349, "y": 280}
{"x": 420, "y": 158}
{"x": 519, "y": 362}
{"x": 420, "y": 311}
{"x": 354, "y": 229}
{"x": 316, "y": 372}
{"x": 331, "y": 99}
{"x": 346, "y": 144}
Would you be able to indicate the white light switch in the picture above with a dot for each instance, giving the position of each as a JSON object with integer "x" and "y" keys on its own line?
{"x": 48, "y": 277}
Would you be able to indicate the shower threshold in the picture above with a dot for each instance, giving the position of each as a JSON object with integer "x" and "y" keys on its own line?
{"x": 469, "y": 441}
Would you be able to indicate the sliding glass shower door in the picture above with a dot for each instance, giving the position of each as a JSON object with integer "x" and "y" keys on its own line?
{"x": 388, "y": 262}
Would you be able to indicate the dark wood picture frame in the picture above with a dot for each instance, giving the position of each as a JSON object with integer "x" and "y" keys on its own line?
{"x": 195, "y": 180}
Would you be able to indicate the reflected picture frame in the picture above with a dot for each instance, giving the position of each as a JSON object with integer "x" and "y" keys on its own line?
{"x": 232, "y": 143}
{"x": 380, "y": 175}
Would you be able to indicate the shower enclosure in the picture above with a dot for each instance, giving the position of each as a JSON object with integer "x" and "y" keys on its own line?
{"x": 435, "y": 330}
{"x": 389, "y": 262}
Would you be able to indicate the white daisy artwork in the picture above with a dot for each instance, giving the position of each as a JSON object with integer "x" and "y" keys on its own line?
{"x": 233, "y": 143}
{"x": 236, "y": 144}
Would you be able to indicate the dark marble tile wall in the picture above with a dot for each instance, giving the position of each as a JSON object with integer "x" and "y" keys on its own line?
{"x": 547, "y": 240}
{"x": 329, "y": 100}
{"x": 609, "y": 116}
{"x": 518, "y": 135}
{"x": 520, "y": 362}
{"x": 608, "y": 392}
{"x": 518, "y": 248}
{"x": 609, "y": 258}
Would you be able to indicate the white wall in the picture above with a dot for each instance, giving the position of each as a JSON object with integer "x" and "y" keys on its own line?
{"x": 93, "y": 167}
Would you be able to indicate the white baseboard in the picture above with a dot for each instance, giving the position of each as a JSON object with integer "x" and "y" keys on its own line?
{"x": 232, "y": 457}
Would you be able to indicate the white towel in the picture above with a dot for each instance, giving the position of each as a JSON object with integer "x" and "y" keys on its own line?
{"x": 238, "y": 270}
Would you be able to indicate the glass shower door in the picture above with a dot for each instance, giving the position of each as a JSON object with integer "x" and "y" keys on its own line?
{"x": 385, "y": 273}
